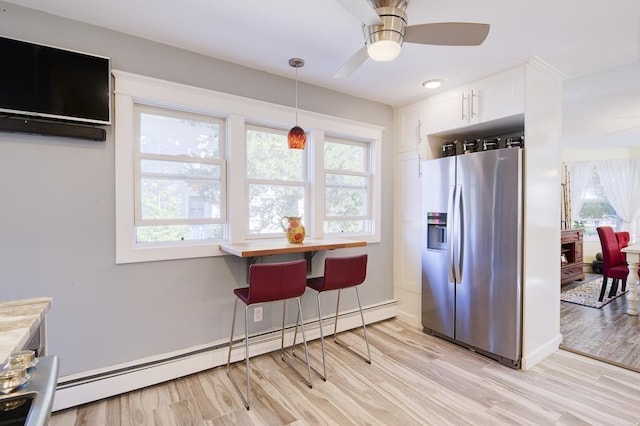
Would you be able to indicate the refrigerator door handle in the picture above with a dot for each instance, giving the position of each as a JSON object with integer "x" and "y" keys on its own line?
{"x": 457, "y": 254}
{"x": 450, "y": 237}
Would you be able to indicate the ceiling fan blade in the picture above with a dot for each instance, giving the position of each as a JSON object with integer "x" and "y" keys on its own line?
{"x": 362, "y": 10}
{"x": 447, "y": 33}
{"x": 352, "y": 63}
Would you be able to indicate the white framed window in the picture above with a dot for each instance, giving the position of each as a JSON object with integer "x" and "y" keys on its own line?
{"x": 180, "y": 185}
{"x": 236, "y": 178}
{"x": 348, "y": 182}
{"x": 277, "y": 181}
{"x": 595, "y": 210}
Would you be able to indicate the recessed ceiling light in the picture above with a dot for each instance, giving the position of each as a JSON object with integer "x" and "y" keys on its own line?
{"x": 432, "y": 84}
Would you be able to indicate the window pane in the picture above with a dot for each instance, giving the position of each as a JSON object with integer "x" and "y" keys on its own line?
{"x": 160, "y": 134}
{"x": 346, "y": 195}
{"x": 149, "y": 234}
{"x": 180, "y": 199}
{"x": 332, "y": 226}
{"x": 345, "y": 202}
{"x": 342, "y": 156}
{"x": 268, "y": 203}
{"x": 596, "y": 210}
{"x": 269, "y": 157}
{"x": 178, "y": 168}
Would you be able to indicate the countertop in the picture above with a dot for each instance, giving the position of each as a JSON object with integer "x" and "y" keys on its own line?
{"x": 270, "y": 247}
{"x": 19, "y": 320}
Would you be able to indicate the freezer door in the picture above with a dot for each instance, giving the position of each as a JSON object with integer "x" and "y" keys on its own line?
{"x": 488, "y": 297}
{"x": 438, "y": 288}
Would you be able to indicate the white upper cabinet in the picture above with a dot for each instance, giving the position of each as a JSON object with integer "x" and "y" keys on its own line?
{"x": 498, "y": 96}
{"x": 491, "y": 98}
{"x": 410, "y": 127}
{"x": 448, "y": 110}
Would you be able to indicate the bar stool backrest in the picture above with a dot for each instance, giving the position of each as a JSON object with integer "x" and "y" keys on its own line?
{"x": 344, "y": 272}
{"x": 277, "y": 281}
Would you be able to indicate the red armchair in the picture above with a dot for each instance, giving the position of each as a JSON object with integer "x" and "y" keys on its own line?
{"x": 614, "y": 265}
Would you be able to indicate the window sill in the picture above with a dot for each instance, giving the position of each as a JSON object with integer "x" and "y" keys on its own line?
{"x": 151, "y": 253}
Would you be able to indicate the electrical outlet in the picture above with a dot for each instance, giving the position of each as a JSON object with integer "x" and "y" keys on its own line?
{"x": 257, "y": 314}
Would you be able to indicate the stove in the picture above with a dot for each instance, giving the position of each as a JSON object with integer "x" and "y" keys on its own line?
{"x": 31, "y": 403}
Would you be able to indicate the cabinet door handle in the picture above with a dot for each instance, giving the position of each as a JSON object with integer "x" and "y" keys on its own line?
{"x": 419, "y": 146}
{"x": 473, "y": 95}
{"x": 462, "y": 116}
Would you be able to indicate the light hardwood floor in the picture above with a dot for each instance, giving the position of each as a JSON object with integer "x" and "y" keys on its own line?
{"x": 607, "y": 333}
{"x": 415, "y": 379}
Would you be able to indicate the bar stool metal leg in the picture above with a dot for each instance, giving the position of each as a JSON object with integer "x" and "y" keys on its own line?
{"x": 233, "y": 323}
{"x": 304, "y": 340}
{"x": 324, "y": 363}
{"x": 322, "y": 375}
{"x": 246, "y": 353}
{"x": 284, "y": 313}
{"x": 335, "y": 323}
{"x": 364, "y": 329}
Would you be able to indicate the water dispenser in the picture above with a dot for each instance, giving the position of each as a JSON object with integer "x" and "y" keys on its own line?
{"x": 436, "y": 231}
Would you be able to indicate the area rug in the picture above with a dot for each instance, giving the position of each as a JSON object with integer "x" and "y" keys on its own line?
{"x": 587, "y": 294}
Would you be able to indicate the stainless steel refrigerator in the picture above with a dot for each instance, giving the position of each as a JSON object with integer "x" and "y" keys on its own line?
{"x": 472, "y": 251}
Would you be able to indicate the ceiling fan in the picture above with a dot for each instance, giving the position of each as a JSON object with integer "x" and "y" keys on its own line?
{"x": 384, "y": 26}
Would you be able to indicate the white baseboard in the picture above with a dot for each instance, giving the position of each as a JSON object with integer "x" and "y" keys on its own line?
{"x": 410, "y": 319}
{"x": 529, "y": 360}
{"x": 99, "y": 384}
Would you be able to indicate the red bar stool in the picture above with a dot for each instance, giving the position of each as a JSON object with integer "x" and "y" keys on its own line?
{"x": 339, "y": 273}
{"x": 270, "y": 282}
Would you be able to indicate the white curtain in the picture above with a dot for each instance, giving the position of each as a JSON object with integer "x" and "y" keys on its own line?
{"x": 621, "y": 182}
{"x": 579, "y": 176}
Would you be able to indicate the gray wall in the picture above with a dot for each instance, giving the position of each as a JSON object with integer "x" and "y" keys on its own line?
{"x": 58, "y": 224}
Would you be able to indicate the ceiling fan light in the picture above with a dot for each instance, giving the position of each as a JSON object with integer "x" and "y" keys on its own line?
{"x": 384, "y": 50}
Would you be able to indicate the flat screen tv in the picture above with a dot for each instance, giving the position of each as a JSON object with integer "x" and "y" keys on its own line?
{"x": 53, "y": 83}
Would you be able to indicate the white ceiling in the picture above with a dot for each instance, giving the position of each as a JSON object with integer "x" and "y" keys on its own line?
{"x": 574, "y": 36}
{"x": 602, "y": 109}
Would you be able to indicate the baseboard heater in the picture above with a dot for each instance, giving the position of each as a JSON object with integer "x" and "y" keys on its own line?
{"x": 52, "y": 128}
{"x": 88, "y": 387}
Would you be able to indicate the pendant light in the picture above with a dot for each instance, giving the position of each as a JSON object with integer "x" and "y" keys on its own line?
{"x": 297, "y": 138}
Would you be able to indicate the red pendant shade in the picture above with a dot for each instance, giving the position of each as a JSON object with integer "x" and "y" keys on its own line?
{"x": 297, "y": 138}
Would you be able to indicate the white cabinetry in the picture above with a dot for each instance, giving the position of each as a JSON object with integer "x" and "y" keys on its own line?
{"x": 407, "y": 242}
{"x": 410, "y": 141}
{"x": 448, "y": 110}
{"x": 488, "y": 99}
{"x": 409, "y": 127}
{"x": 498, "y": 96}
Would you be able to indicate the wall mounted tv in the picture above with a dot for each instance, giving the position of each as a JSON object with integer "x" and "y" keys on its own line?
{"x": 53, "y": 83}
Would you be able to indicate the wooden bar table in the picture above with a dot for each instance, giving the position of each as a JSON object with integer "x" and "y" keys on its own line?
{"x": 252, "y": 250}
{"x": 633, "y": 259}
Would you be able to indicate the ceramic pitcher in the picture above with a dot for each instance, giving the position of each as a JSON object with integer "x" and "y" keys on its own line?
{"x": 293, "y": 228}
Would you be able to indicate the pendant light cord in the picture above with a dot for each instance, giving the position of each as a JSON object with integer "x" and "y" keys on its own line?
{"x": 296, "y": 96}
{"x": 296, "y": 63}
